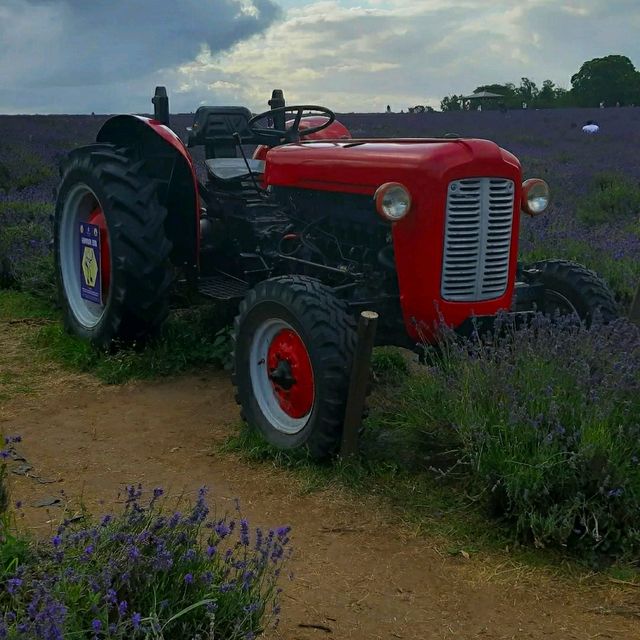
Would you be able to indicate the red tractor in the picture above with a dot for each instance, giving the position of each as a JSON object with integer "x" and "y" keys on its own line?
{"x": 301, "y": 237}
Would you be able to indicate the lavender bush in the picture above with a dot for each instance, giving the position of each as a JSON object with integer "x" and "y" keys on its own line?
{"x": 145, "y": 574}
{"x": 543, "y": 420}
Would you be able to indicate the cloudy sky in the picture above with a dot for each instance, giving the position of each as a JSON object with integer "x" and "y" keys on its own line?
{"x": 106, "y": 56}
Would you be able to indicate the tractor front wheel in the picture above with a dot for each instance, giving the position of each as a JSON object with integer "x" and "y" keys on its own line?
{"x": 572, "y": 289}
{"x": 111, "y": 252}
{"x": 293, "y": 351}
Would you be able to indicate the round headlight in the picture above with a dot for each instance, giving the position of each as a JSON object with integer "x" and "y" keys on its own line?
{"x": 393, "y": 201}
{"x": 535, "y": 196}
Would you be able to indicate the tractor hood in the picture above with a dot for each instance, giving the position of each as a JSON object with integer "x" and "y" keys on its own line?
{"x": 361, "y": 166}
{"x": 426, "y": 167}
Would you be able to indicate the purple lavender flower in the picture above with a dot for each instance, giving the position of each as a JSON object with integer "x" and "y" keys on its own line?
{"x": 244, "y": 532}
{"x": 189, "y": 555}
{"x": 106, "y": 520}
{"x": 136, "y": 619}
{"x": 13, "y": 584}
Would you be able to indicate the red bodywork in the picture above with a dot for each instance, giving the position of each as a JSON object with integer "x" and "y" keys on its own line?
{"x": 425, "y": 167}
{"x": 114, "y": 127}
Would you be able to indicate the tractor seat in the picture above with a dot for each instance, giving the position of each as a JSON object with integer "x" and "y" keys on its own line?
{"x": 233, "y": 168}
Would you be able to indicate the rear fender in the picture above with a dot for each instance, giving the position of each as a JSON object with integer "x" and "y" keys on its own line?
{"x": 155, "y": 141}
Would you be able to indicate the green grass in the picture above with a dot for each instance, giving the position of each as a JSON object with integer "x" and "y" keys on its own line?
{"x": 18, "y": 305}
{"x": 27, "y": 169}
{"x": 621, "y": 274}
{"x": 25, "y": 234}
{"x": 187, "y": 342}
{"x": 613, "y": 197}
{"x": 191, "y": 339}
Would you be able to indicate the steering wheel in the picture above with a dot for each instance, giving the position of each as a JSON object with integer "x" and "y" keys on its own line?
{"x": 293, "y": 133}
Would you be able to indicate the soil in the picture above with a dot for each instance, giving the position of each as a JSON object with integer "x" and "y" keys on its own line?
{"x": 359, "y": 574}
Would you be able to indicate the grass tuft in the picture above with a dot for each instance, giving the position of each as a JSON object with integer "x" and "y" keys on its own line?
{"x": 613, "y": 197}
{"x": 188, "y": 341}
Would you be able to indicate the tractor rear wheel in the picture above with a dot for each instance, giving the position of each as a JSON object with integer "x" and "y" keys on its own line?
{"x": 293, "y": 349}
{"x": 110, "y": 248}
{"x": 570, "y": 288}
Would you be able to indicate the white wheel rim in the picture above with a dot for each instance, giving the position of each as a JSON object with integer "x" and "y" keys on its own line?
{"x": 262, "y": 386}
{"x": 77, "y": 207}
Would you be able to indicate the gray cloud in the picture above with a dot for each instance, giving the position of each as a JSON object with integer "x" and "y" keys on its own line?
{"x": 101, "y": 55}
{"x": 87, "y": 43}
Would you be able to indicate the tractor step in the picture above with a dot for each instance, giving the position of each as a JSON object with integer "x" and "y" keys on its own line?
{"x": 222, "y": 287}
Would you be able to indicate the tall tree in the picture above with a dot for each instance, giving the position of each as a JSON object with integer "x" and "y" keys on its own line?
{"x": 546, "y": 95}
{"x": 527, "y": 91}
{"x": 610, "y": 80}
{"x": 451, "y": 103}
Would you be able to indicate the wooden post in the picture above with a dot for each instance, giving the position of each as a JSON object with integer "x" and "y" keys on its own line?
{"x": 358, "y": 383}
{"x": 634, "y": 312}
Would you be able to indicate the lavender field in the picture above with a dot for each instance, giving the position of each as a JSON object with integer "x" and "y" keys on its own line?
{"x": 595, "y": 217}
{"x": 542, "y": 422}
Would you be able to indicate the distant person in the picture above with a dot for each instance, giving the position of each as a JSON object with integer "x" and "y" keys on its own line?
{"x": 590, "y": 127}
{"x": 388, "y": 108}
{"x": 479, "y": 107}
{"x": 524, "y": 105}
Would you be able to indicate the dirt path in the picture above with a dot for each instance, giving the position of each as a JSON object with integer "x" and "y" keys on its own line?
{"x": 355, "y": 574}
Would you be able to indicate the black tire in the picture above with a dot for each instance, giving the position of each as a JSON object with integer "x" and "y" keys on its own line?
{"x": 327, "y": 331}
{"x": 570, "y": 282}
{"x": 140, "y": 275}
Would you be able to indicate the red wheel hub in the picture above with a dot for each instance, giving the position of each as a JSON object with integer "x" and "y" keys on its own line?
{"x": 97, "y": 217}
{"x": 291, "y": 373}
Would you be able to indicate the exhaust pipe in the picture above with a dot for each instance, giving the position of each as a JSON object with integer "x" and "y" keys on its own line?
{"x": 161, "y": 106}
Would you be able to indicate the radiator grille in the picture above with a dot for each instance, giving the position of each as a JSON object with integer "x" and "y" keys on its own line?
{"x": 478, "y": 227}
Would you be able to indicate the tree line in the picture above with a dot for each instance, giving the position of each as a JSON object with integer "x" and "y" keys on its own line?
{"x": 609, "y": 81}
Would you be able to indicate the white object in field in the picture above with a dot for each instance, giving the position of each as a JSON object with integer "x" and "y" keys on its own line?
{"x": 591, "y": 128}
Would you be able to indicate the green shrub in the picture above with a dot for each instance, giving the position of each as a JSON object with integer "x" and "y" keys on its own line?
{"x": 25, "y": 254}
{"x": 612, "y": 197}
{"x": 188, "y": 340}
{"x": 388, "y": 364}
{"x": 543, "y": 421}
